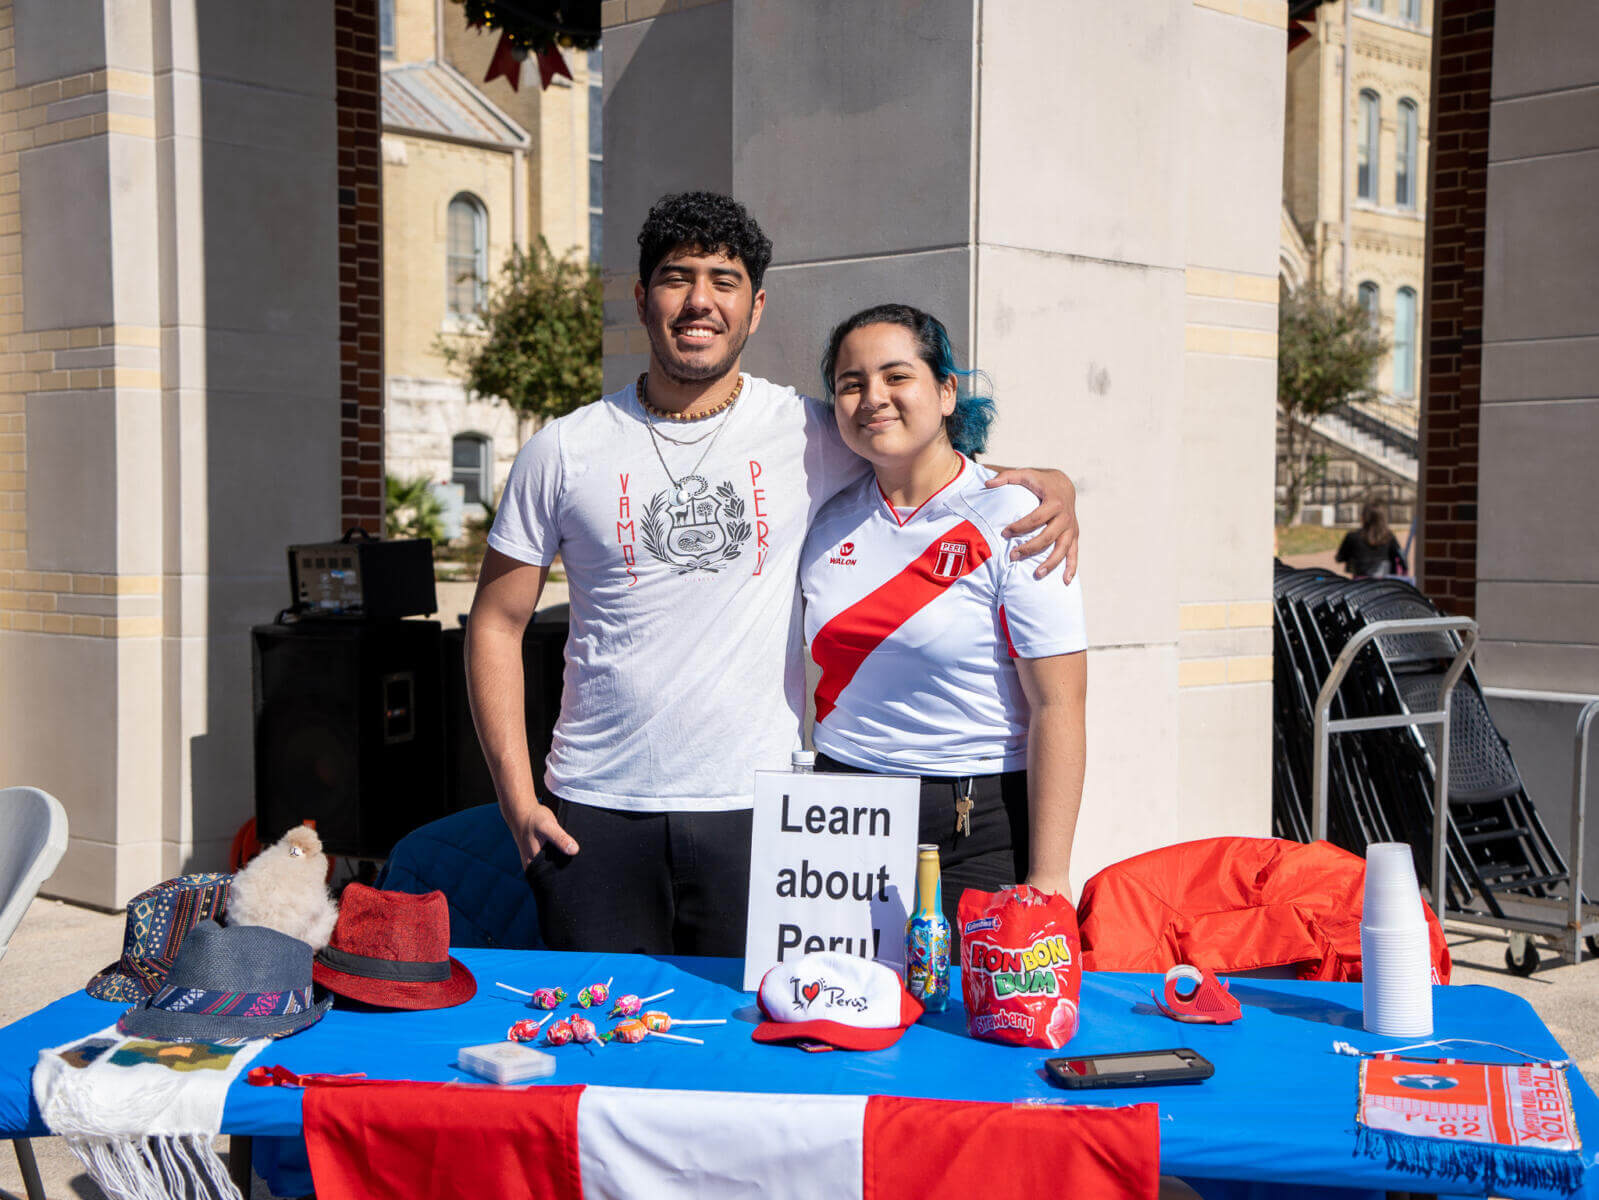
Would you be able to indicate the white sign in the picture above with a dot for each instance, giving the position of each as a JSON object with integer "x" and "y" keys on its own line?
{"x": 832, "y": 867}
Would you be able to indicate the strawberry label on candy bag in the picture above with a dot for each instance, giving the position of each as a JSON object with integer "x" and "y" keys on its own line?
{"x": 1021, "y": 970}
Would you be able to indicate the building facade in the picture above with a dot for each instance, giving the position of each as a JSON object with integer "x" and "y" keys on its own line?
{"x": 471, "y": 171}
{"x": 1355, "y": 164}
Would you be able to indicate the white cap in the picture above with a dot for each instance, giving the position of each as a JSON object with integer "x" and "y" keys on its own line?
{"x": 849, "y": 1002}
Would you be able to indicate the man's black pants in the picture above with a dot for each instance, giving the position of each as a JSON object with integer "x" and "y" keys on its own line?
{"x": 645, "y": 883}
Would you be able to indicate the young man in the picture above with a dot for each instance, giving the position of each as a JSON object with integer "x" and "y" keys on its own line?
{"x": 678, "y": 506}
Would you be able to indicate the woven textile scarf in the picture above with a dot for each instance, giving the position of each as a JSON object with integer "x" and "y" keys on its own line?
{"x": 141, "y": 1115}
{"x": 1501, "y": 1128}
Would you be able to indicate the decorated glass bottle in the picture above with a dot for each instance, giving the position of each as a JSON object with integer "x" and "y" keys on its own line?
{"x": 927, "y": 936}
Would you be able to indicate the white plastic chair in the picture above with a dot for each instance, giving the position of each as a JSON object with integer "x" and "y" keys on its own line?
{"x": 33, "y": 836}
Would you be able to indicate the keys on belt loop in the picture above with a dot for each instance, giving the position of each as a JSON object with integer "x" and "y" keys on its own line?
{"x": 963, "y": 808}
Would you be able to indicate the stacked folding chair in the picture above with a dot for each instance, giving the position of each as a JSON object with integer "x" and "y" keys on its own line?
{"x": 1381, "y": 781}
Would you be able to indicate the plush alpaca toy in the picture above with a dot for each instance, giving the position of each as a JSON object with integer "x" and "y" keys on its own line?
{"x": 285, "y": 888}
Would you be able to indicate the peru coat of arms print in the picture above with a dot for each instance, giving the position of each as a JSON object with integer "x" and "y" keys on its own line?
{"x": 694, "y": 527}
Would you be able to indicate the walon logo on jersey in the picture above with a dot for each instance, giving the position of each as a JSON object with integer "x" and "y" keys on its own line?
{"x": 842, "y": 558}
{"x": 951, "y": 561}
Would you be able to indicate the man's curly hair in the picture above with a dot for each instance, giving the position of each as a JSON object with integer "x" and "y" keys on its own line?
{"x": 704, "y": 221}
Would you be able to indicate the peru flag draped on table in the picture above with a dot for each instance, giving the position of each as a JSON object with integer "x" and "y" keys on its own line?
{"x": 382, "y": 1140}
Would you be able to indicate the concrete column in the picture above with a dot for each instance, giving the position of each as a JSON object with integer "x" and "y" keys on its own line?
{"x": 1537, "y": 543}
{"x": 171, "y": 334}
{"x": 1088, "y": 196}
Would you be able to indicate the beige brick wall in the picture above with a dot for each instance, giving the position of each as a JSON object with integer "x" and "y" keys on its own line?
{"x": 420, "y": 177}
{"x": 43, "y": 361}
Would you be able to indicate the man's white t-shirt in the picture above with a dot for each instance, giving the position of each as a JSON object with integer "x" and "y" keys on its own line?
{"x": 914, "y": 619}
{"x": 684, "y": 672}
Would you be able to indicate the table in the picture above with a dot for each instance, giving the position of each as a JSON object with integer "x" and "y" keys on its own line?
{"x": 1279, "y": 1110}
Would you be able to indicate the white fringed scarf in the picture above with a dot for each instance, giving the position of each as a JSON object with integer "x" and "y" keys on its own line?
{"x": 141, "y": 1115}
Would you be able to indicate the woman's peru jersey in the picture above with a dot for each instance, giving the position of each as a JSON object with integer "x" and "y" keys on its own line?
{"x": 915, "y": 619}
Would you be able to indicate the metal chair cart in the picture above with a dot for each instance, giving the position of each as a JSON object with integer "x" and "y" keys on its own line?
{"x": 1418, "y": 760}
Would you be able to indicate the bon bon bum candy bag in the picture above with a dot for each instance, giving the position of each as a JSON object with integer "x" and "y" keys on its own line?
{"x": 1021, "y": 966}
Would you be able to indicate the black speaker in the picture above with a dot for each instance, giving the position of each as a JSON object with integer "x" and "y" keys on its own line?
{"x": 349, "y": 731}
{"x": 467, "y": 779}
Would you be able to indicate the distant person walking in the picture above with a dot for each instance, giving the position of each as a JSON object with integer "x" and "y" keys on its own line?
{"x": 1372, "y": 550}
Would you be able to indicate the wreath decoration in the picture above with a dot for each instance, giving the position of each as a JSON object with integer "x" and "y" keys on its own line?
{"x": 537, "y": 28}
{"x": 652, "y": 531}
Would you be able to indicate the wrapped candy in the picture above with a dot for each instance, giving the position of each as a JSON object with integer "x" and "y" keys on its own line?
{"x": 583, "y": 1030}
{"x": 629, "y": 1005}
{"x": 548, "y": 997}
{"x": 595, "y": 995}
{"x": 526, "y": 1030}
{"x": 629, "y": 1031}
{"x": 559, "y": 1034}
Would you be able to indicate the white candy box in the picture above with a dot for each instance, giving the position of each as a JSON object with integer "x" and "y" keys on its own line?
{"x": 506, "y": 1062}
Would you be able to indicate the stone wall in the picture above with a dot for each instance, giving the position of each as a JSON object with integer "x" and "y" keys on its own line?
{"x": 1537, "y": 540}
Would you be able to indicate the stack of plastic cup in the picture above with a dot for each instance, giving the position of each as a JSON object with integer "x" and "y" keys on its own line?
{"x": 1395, "y": 956}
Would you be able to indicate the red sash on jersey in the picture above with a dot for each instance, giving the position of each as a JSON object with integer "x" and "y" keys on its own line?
{"x": 843, "y": 644}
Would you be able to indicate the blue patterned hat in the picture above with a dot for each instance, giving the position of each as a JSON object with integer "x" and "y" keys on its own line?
{"x": 158, "y": 921}
{"x": 245, "y": 981}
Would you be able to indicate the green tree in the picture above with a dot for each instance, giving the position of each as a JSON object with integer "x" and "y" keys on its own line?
{"x": 412, "y": 510}
{"x": 1327, "y": 354}
{"x": 539, "y": 345}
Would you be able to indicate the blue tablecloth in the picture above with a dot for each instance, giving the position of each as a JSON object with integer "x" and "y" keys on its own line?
{"x": 1280, "y": 1108}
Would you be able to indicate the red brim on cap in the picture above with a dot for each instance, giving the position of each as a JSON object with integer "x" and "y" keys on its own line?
{"x": 835, "y": 1033}
{"x": 391, "y": 993}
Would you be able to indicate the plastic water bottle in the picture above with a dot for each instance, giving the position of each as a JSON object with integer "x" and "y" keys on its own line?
{"x": 802, "y": 762}
{"x": 927, "y": 936}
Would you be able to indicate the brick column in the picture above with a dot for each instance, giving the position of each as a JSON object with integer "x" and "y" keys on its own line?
{"x": 1456, "y": 218}
{"x": 360, "y": 266}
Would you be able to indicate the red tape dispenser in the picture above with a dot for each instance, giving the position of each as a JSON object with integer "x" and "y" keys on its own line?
{"x": 1206, "y": 1002}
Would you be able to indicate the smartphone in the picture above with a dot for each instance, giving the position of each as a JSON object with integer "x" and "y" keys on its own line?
{"x": 1139, "y": 1068}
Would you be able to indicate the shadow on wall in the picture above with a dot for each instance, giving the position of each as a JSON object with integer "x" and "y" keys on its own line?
{"x": 253, "y": 431}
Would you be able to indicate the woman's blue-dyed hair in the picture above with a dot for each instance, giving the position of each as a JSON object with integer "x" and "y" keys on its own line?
{"x": 968, "y": 425}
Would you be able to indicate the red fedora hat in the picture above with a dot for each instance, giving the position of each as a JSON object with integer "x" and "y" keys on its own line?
{"x": 392, "y": 949}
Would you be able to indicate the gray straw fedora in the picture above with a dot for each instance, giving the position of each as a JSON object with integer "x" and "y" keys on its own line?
{"x": 245, "y": 981}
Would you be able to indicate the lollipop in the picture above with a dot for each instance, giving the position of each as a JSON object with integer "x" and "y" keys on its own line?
{"x": 629, "y": 1031}
{"x": 595, "y": 994}
{"x": 657, "y": 1021}
{"x": 583, "y": 1030}
{"x": 629, "y": 1005}
{"x": 526, "y": 1030}
{"x": 559, "y": 1034}
{"x": 542, "y": 998}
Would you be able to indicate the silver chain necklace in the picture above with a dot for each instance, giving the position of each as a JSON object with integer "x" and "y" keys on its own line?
{"x": 680, "y": 494}
{"x": 666, "y": 437}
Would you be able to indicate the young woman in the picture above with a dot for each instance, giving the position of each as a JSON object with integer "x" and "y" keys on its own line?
{"x": 1372, "y": 549}
{"x": 939, "y": 656}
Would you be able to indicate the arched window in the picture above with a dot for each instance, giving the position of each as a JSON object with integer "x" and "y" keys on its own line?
{"x": 1410, "y": 10}
{"x": 1405, "y": 157}
{"x": 1370, "y": 297}
{"x": 472, "y": 466}
{"x": 1366, "y": 147}
{"x": 1405, "y": 342}
{"x": 466, "y": 266}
